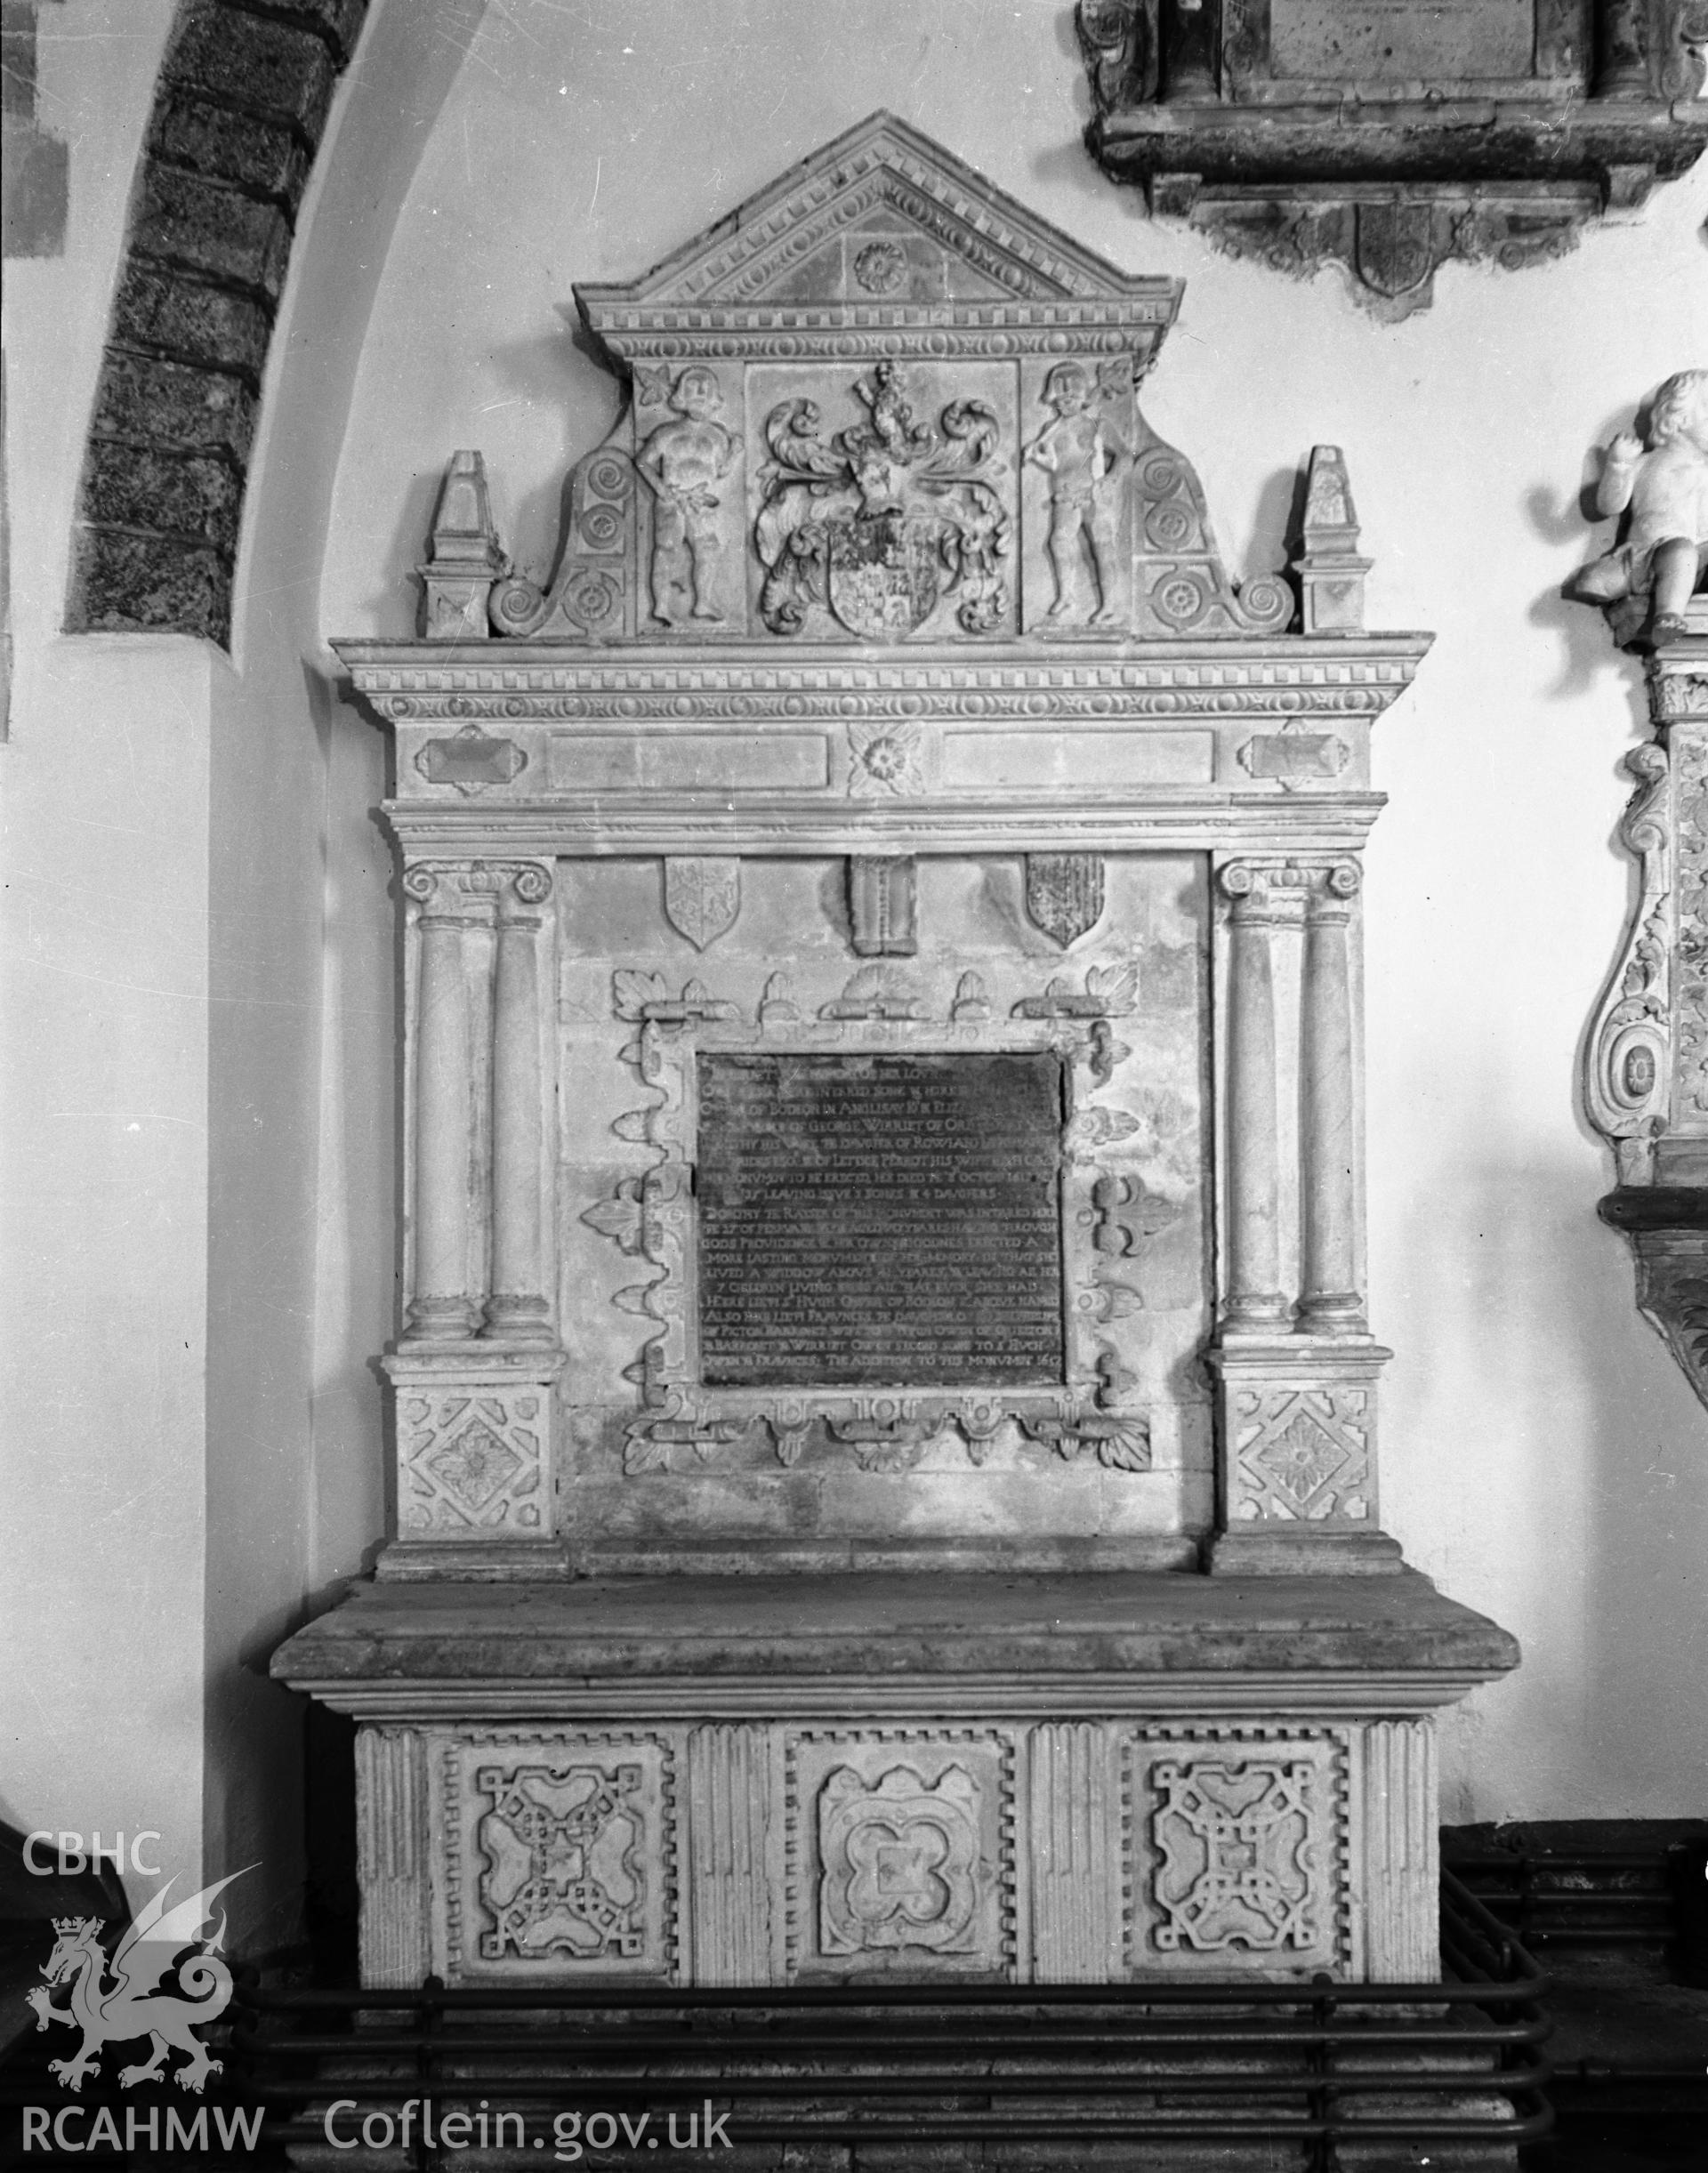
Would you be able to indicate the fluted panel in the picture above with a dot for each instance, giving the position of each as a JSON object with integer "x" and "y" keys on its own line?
{"x": 392, "y": 1855}
{"x": 1076, "y": 1901}
{"x": 1402, "y": 1852}
{"x": 729, "y": 1815}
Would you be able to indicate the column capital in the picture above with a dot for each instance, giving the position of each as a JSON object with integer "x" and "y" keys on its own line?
{"x": 444, "y": 884}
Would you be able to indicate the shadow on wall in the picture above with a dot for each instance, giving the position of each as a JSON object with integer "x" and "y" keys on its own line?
{"x": 1572, "y": 1437}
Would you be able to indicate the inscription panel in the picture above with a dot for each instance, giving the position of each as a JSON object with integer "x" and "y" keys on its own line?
{"x": 1398, "y": 40}
{"x": 880, "y": 1219}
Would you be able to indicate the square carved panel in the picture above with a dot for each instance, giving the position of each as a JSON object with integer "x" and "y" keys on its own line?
{"x": 561, "y": 1856}
{"x": 901, "y": 1853}
{"x": 1240, "y": 1849}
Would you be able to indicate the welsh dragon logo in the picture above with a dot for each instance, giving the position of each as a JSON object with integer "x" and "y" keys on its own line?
{"x": 133, "y": 2005}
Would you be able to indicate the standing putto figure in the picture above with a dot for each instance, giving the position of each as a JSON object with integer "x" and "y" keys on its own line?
{"x": 1080, "y": 454}
{"x": 1665, "y": 487}
{"x": 681, "y": 461}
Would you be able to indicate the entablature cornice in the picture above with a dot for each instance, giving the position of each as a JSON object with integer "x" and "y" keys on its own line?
{"x": 1258, "y": 746}
{"x": 1288, "y": 675}
{"x": 602, "y": 825}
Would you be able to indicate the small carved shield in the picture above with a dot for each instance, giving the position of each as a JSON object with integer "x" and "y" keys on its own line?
{"x": 883, "y": 574}
{"x": 702, "y": 897}
{"x": 1064, "y": 894}
{"x": 1394, "y": 246}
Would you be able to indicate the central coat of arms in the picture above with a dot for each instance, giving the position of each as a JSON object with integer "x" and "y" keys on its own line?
{"x": 885, "y": 520}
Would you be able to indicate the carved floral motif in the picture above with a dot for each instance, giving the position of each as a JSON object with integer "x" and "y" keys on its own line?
{"x": 1690, "y": 1000}
{"x": 1301, "y": 1452}
{"x": 471, "y": 1462}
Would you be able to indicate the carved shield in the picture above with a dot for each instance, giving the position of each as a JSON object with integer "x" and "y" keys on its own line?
{"x": 885, "y": 574}
{"x": 1394, "y": 246}
{"x": 1064, "y": 894}
{"x": 702, "y": 897}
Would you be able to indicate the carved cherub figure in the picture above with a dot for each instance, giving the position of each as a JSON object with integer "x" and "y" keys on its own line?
{"x": 681, "y": 461}
{"x": 1080, "y": 453}
{"x": 1665, "y": 487}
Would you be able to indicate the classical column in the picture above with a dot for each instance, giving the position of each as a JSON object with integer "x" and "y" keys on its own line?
{"x": 442, "y": 1309}
{"x": 1255, "y": 1301}
{"x": 517, "y": 1311}
{"x": 1329, "y": 1297}
{"x": 1621, "y": 49}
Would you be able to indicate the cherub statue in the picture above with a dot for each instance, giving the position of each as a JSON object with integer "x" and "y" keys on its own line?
{"x": 1665, "y": 487}
{"x": 1079, "y": 452}
{"x": 680, "y": 461}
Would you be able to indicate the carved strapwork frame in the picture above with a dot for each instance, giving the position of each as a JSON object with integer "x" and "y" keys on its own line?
{"x": 473, "y": 1371}
{"x": 1645, "y": 1056}
{"x": 655, "y": 1218}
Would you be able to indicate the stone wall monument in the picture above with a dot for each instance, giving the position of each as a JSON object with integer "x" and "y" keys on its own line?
{"x": 1646, "y": 1057}
{"x": 885, "y": 1419}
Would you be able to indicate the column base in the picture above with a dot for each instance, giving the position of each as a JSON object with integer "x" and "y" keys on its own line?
{"x": 505, "y": 1561}
{"x": 1301, "y": 1550}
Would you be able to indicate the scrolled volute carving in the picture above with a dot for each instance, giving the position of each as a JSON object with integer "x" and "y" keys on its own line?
{"x": 1118, "y": 41}
{"x": 1627, "y": 1066}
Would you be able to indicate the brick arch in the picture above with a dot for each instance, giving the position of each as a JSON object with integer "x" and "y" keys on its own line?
{"x": 239, "y": 112}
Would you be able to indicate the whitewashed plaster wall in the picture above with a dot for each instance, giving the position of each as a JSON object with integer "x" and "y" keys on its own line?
{"x": 189, "y": 1423}
{"x": 196, "y": 1128}
{"x": 1546, "y": 1459}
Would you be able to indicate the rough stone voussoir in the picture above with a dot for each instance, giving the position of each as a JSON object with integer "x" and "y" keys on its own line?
{"x": 254, "y": 63}
{"x": 133, "y": 583}
{"x": 190, "y": 319}
{"x": 214, "y": 227}
{"x": 265, "y": 159}
{"x": 338, "y": 21}
{"x": 188, "y": 495}
{"x": 148, "y": 401}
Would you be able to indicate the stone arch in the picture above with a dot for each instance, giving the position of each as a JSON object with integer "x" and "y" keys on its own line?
{"x": 240, "y": 110}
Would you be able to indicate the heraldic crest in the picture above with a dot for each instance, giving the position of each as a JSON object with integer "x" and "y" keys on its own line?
{"x": 884, "y": 519}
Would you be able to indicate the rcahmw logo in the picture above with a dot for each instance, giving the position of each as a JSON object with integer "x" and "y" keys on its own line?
{"x": 116, "y": 2002}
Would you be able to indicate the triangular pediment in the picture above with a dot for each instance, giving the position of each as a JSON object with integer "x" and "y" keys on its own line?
{"x": 880, "y": 219}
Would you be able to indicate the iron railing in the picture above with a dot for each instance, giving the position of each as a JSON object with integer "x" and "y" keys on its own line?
{"x": 1303, "y": 2068}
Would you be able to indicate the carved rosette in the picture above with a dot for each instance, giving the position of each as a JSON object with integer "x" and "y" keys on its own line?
{"x": 473, "y": 1464}
{"x": 1303, "y": 1453}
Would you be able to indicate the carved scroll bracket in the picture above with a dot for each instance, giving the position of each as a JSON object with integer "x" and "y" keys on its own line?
{"x": 1646, "y": 1059}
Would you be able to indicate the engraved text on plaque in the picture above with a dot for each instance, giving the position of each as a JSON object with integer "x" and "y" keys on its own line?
{"x": 879, "y": 1218}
